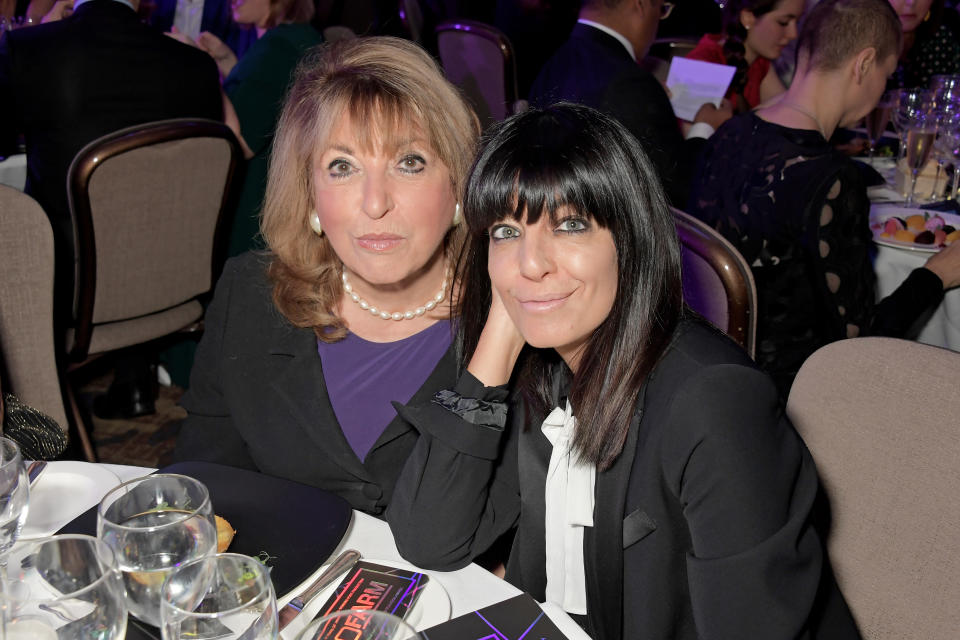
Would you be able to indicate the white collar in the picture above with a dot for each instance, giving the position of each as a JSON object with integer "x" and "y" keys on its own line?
{"x": 607, "y": 30}
{"x": 568, "y": 501}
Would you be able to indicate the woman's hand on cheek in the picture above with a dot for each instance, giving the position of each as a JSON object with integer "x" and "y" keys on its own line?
{"x": 498, "y": 348}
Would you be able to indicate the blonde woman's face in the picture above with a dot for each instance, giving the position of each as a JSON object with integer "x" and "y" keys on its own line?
{"x": 385, "y": 211}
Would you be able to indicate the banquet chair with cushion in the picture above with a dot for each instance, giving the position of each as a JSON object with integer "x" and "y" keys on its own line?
{"x": 27, "y": 351}
{"x": 717, "y": 281}
{"x": 479, "y": 59}
{"x": 148, "y": 205}
{"x": 879, "y": 416}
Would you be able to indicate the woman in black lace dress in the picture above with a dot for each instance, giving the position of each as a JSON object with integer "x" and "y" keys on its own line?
{"x": 798, "y": 211}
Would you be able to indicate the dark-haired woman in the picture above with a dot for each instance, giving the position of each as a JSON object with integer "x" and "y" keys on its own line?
{"x": 657, "y": 489}
{"x": 931, "y": 42}
{"x": 755, "y": 32}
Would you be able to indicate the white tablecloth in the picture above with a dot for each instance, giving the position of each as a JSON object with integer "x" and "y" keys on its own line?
{"x": 941, "y": 327}
{"x": 13, "y": 171}
{"x": 892, "y": 265}
{"x": 469, "y": 588}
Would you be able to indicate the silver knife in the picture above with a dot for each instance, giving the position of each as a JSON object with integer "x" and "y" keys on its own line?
{"x": 337, "y": 568}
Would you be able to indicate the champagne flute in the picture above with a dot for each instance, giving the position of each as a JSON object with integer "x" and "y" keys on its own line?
{"x": 359, "y": 624}
{"x": 921, "y": 132}
{"x": 66, "y": 587}
{"x": 226, "y": 596}
{"x": 155, "y": 524}
{"x": 910, "y": 103}
{"x": 14, "y": 497}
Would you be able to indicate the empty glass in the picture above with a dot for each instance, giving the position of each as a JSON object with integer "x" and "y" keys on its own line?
{"x": 226, "y": 596}
{"x": 14, "y": 495}
{"x": 66, "y": 587}
{"x": 155, "y": 524}
{"x": 359, "y": 624}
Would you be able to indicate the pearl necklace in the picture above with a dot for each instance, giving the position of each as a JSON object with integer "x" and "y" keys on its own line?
{"x": 806, "y": 112}
{"x": 398, "y": 315}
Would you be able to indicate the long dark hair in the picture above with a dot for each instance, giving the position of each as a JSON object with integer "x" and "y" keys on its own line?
{"x": 735, "y": 34}
{"x": 573, "y": 156}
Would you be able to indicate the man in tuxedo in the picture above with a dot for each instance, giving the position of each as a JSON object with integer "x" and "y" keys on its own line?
{"x": 597, "y": 66}
{"x": 69, "y": 82}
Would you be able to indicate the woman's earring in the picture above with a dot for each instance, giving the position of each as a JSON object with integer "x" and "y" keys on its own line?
{"x": 457, "y": 215}
{"x": 314, "y": 219}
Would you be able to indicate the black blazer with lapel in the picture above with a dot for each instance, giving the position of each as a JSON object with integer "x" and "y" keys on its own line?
{"x": 69, "y": 82}
{"x": 702, "y": 527}
{"x": 258, "y": 399}
{"x": 595, "y": 69}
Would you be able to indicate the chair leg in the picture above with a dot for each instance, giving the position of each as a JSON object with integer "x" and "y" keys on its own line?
{"x": 85, "y": 441}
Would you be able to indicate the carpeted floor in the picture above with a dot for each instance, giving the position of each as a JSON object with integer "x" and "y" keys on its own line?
{"x": 146, "y": 441}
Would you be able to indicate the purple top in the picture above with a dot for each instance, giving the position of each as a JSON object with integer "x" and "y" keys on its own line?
{"x": 363, "y": 377}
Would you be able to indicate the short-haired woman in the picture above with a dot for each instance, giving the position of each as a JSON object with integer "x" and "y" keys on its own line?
{"x": 659, "y": 491}
{"x": 307, "y": 347}
{"x": 798, "y": 210}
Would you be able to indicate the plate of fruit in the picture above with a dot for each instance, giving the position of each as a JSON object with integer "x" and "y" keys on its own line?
{"x": 914, "y": 229}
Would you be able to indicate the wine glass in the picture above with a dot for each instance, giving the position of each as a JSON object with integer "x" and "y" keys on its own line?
{"x": 226, "y": 596}
{"x": 155, "y": 524}
{"x": 949, "y": 144}
{"x": 66, "y": 587}
{"x": 14, "y": 496}
{"x": 948, "y": 121}
{"x": 876, "y": 121}
{"x": 360, "y": 624}
{"x": 920, "y": 134}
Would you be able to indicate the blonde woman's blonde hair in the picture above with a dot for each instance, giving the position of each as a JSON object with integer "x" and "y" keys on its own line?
{"x": 390, "y": 86}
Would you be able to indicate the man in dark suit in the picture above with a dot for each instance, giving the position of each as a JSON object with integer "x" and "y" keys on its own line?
{"x": 69, "y": 82}
{"x": 597, "y": 66}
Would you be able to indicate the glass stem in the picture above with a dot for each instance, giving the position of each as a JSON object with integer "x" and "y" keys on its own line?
{"x": 936, "y": 178}
{"x": 953, "y": 187}
{"x": 913, "y": 187}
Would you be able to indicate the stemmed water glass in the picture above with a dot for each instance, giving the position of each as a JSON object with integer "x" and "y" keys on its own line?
{"x": 66, "y": 587}
{"x": 226, "y": 596}
{"x": 154, "y": 524}
{"x": 947, "y": 115}
{"x": 14, "y": 497}
{"x": 921, "y": 130}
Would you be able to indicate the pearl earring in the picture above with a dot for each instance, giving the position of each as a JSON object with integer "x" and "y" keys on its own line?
{"x": 457, "y": 215}
{"x": 314, "y": 219}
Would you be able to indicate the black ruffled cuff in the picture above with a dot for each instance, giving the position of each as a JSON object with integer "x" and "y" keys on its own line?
{"x": 473, "y": 410}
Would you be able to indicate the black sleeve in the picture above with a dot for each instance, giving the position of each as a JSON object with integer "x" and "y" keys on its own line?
{"x": 895, "y": 314}
{"x": 458, "y": 492}
{"x": 746, "y": 485}
{"x": 8, "y": 119}
{"x": 208, "y": 433}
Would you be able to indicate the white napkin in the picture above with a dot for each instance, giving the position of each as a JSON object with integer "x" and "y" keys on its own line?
{"x": 568, "y": 494}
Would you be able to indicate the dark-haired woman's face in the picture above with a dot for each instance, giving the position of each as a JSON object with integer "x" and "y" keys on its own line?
{"x": 557, "y": 280}
{"x": 771, "y": 32}
{"x": 912, "y": 13}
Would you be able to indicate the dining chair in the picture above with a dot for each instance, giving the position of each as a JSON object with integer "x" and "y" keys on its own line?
{"x": 879, "y": 416}
{"x": 479, "y": 59}
{"x": 147, "y": 204}
{"x": 27, "y": 345}
{"x": 717, "y": 281}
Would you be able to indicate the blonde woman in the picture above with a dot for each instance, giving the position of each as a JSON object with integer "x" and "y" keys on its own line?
{"x": 309, "y": 345}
